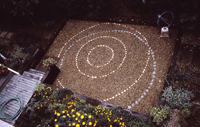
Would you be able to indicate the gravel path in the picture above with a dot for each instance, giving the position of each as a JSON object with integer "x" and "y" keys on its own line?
{"x": 120, "y": 64}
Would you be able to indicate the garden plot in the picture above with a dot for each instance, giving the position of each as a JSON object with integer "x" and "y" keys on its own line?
{"x": 120, "y": 64}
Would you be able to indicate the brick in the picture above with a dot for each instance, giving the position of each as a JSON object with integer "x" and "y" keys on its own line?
{"x": 3, "y": 34}
{"x": 9, "y": 35}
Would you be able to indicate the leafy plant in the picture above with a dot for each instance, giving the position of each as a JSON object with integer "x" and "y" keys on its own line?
{"x": 179, "y": 98}
{"x": 48, "y": 62}
{"x": 18, "y": 55}
{"x": 185, "y": 112}
{"x": 138, "y": 123}
{"x": 159, "y": 114}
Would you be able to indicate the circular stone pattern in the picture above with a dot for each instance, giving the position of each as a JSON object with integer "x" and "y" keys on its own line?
{"x": 110, "y": 64}
{"x": 104, "y": 69}
{"x": 100, "y": 60}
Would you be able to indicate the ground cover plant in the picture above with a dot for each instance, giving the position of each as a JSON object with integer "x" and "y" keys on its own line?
{"x": 49, "y": 108}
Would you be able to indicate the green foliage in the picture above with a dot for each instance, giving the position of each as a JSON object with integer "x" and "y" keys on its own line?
{"x": 159, "y": 114}
{"x": 83, "y": 101}
{"x": 40, "y": 87}
{"x": 179, "y": 98}
{"x": 138, "y": 123}
{"x": 63, "y": 92}
{"x": 18, "y": 55}
{"x": 185, "y": 112}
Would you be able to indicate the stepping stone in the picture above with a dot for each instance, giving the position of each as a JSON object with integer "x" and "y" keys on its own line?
{"x": 196, "y": 56}
{"x": 185, "y": 54}
{"x": 3, "y": 34}
{"x": 9, "y": 35}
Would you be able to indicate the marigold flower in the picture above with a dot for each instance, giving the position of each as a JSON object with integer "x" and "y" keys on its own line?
{"x": 55, "y": 120}
{"x": 63, "y": 111}
{"x": 58, "y": 114}
{"x": 73, "y": 115}
{"x": 56, "y": 125}
{"x": 77, "y": 125}
{"x": 83, "y": 123}
{"x": 82, "y": 117}
{"x": 89, "y": 116}
{"x": 77, "y": 113}
{"x": 73, "y": 124}
{"x": 76, "y": 118}
{"x": 110, "y": 125}
{"x": 90, "y": 123}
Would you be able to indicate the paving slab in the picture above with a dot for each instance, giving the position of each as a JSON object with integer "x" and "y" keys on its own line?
{"x": 120, "y": 64}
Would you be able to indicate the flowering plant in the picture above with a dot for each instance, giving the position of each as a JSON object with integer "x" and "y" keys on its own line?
{"x": 48, "y": 62}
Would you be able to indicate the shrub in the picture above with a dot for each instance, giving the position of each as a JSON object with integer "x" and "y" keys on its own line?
{"x": 159, "y": 114}
{"x": 179, "y": 98}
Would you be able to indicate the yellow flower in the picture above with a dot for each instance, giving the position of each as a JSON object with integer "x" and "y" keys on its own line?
{"x": 70, "y": 124}
{"x": 120, "y": 118}
{"x": 77, "y": 125}
{"x": 64, "y": 116}
{"x": 56, "y": 125}
{"x": 41, "y": 105}
{"x": 76, "y": 118}
{"x": 73, "y": 124}
{"x": 55, "y": 120}
{"x": 89, "y": 116}
{"x": 78, "y": 114}
{"x": 110, "y": 125}
{"x": 82, "y": 117}
{"x": 73, "y": 115}
{"x": 83, "y": 123}
{"x": 63, "y": 111}
{"x": 67, "y": 114}
{"x": 58, "y": 114}
{"x": 122, "y": 123}
{"x": 38, "y": 107}
{"x": 72, "y": 110}
{"x": 90, "y": 123}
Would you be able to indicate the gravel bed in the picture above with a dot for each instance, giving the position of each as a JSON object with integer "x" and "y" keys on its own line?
{"x": 120, "y": 64}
